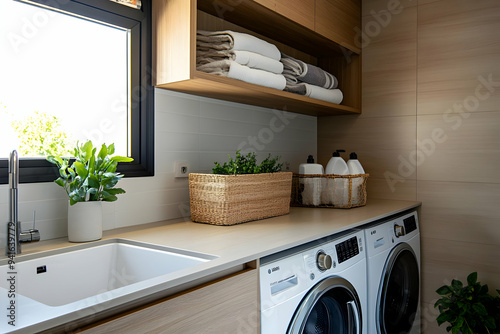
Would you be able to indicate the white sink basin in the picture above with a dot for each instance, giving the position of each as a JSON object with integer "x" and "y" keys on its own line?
{"x": 75, "y": 273}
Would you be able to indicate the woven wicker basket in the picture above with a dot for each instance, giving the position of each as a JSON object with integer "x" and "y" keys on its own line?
{"x": 329, "y": 190}
{"x": 233, "y": 199}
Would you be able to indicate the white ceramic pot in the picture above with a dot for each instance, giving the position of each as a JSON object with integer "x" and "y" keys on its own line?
{"x": 85, "y": 221}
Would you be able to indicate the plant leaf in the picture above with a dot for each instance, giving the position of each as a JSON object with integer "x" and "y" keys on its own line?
{"x": 118, "y": 158}
{"x": 80, "y": 169}
{"x": 103, "y": 152}
{"x": 442, "y": 318}
{"x": 59, "y": 182}
{"x": 472, "y": 278}
{"x": 480, "y": 309}
{"x": 111, "y": 149}
{"x": 115, "y": 191}
{"x": 444, "y": 290}
{"x": 93, "y": 181}
{"x": 490, "y": 322}
{"x": 111, "y": 198}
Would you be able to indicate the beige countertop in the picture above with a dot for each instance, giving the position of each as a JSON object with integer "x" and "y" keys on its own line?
{"x": 232, "y": 245}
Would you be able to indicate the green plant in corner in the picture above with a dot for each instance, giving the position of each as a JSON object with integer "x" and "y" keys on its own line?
{"x": 247, "y": 164}
{"x": 91, "y": 176}
{"x": 468, "y": 309}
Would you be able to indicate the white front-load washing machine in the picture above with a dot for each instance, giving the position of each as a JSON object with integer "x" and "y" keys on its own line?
{"x": 315, "y": 288}
{"x": 393, "y": 267}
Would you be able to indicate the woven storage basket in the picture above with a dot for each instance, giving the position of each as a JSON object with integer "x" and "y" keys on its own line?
{"x": 329, "y": 190}
{"x": 233, "y": 199}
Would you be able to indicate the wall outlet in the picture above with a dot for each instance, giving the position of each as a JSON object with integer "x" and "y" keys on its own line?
{"x": 182, "y": 169}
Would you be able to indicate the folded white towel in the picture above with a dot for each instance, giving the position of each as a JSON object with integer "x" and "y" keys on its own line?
{"x": 329, "y": 95}
{"x": 315, "y": 92}
{"x": 254, "y": 76}
{"x": 237, "y": 41}
{"x": 247, "y": 58}
{"x": 258, "y": 61}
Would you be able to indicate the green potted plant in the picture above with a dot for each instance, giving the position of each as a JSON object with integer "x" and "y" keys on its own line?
{"x": 468, "y": 309}
{"x": 240, "y": 191}
{"x": 88, "y": 180}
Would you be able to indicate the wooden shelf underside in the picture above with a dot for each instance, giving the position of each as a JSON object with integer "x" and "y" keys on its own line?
{"x": 228, "y": 89}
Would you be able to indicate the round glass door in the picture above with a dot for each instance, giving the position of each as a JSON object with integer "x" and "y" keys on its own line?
{"x": 332, "y": 306}
{"x": 400, "y": 292}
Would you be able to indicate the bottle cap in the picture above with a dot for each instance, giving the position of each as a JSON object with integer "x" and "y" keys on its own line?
{"x": 337, "y": 153}
{"x": 353, "y": 155}
{"x": 310, "y": 159}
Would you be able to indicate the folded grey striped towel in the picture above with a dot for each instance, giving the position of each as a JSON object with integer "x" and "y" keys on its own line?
{"x": 303, "y": 72}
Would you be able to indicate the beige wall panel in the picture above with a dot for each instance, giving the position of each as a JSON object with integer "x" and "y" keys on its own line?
{"x": 423, "y": 2}
{"x": 373, "y": 8}
{"x": 447, "y": 260}
{"x": 458, "y": 42}
{"x": 460, "y": 211}
{"x": 451, "y": 166}
{"x": 389, "y": 65}
{"x": 478, "y": 131}
{"x": 379, "y": 142}
{"x": 380, "y": 188}
{"x": 463, "y": 150}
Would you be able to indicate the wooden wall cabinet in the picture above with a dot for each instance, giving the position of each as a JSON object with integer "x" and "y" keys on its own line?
{"x": 337, "y": 20}
{"x": 300, "y": 11}
{"x": 288, "y": 26}
{"x": 228, "y": 305}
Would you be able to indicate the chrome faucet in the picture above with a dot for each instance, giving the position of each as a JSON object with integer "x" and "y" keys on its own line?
{"x": 15, "y": 236}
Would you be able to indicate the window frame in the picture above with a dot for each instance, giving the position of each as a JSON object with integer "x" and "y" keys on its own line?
{"x": 34, "y": 170}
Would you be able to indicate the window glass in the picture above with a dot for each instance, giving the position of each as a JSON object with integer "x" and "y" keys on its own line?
{"x": 63, "y": 79}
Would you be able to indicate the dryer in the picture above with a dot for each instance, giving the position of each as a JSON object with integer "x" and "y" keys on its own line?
{"x": 316, "y": 288}
{"x": 393, "y": 267}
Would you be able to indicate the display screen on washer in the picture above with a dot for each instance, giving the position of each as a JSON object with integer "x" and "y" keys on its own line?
{"x": 347, "y": 249}
{"x": 410, "y": 224}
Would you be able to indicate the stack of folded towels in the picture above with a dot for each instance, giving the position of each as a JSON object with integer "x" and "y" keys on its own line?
{"x": 240, "y": 56}
{"x": 309, "y": 80}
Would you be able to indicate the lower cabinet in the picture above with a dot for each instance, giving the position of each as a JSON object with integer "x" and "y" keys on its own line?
{"x": 227, "y": 305}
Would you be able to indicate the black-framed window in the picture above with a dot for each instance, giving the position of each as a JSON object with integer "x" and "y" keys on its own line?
{"x": 141, "y": 92}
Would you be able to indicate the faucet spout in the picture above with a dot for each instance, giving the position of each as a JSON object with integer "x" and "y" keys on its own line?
{"x": 15, "y": 235}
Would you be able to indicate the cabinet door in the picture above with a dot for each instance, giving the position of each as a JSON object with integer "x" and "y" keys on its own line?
{"x": 300, "y": 11}
{"x": 228, "y": 305}
{"x": 339, "y": 21}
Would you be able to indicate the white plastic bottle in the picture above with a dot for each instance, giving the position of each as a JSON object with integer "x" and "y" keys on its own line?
{"x": 357, "y": 183}
{"x": 311, "y": 193}
{"x": 337, "y": 165}
{"x": 354, "y": 165}
{"x": 335, "y": 192}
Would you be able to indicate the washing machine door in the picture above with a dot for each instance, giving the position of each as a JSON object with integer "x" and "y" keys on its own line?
{"x": 332, "y": 306}
{"x": 399, "y": 292}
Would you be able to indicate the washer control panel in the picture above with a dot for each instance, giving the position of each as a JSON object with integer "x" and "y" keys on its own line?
{"x": 347, "y": 249}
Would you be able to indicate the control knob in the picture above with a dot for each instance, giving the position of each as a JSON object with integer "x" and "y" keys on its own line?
{"x": 399, "y": 230}
{"x": 323, "y": 261}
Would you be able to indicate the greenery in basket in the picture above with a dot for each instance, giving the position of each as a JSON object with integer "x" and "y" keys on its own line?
{"x": 247, "y": 164}
{"x": 91, "y": 176}
{"x": 468, "y": 309}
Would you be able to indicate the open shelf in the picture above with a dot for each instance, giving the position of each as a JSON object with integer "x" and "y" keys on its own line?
{"x": 176, "y": 22}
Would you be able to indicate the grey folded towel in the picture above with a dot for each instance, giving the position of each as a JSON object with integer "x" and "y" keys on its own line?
{"x": 303, "y": 72}
{"x": 313, "y": 91}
